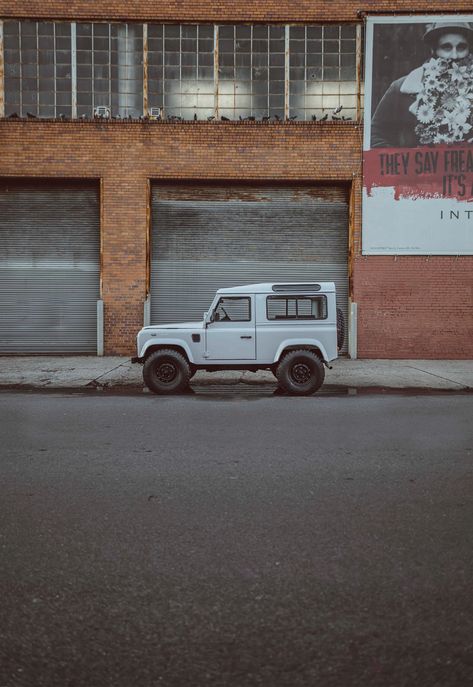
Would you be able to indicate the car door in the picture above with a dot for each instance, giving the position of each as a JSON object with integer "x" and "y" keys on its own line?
{"x": 231, "y": 334}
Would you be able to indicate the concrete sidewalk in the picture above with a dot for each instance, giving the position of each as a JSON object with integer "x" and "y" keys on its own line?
{"x": 76, "y": 372}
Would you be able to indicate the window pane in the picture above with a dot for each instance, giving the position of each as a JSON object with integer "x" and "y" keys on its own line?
{"x": 296, "y": 307}
{"x": 233, "y": 310}
{"x": 321, "y": 53}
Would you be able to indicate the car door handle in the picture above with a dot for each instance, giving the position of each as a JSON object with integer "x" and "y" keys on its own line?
{"x": 246, "y": 337}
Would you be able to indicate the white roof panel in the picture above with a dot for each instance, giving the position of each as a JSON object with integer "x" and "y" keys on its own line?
{"x": 292, "y": 287}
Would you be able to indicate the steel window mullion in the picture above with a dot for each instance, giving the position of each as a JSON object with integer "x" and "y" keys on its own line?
{"x": 216, "y": 81}
{"x": 269, "y": 69}
{"x": 110, "y": 63}
{"x": 145, "y": 70}
{"x": 162, "y": 70}
{"x": 21, "y": 70}
{"x": 55, "y": 70}
{"x": 180, "y": 70}
{"x": 73, "y": 70}
{"x": 286, "y": 72}
{"x": 234, "y": 71}
{"x": 92, "y": 60}
{"x": 305, "y": 73}
{"x": 37, "y": 68}
{"x": 197, "y": 62}
{"x": 359, "y": 44}
{"x": 251, "y": 69}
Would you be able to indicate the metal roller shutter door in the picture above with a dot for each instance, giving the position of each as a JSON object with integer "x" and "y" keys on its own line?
{"x": 49, "y": 267}
{"x": 207, "y": 237}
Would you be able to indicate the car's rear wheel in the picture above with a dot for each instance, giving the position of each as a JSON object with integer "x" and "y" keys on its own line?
{"x": 166, "y": 372}
{"x": 300, "y": 373}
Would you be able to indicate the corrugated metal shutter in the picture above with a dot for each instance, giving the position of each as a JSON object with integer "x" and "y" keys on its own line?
{"x": 207, "y": 237}
{"x": 49, "y": 267}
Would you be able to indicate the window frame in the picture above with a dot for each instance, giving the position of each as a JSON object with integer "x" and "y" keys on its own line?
{"x": 296, "y": 297}
{"x": 258, "y": 83}
{"x": 233, "y": 298}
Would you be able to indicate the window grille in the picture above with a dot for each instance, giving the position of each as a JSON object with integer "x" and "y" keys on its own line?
{"x": 189, "y": 71}
{"x": 251, "y": 71}
{"x": 322, "y": 71}
{"x": 37, "y": 58}
{"x": 181, "y": 70}
{"x": 110, "y": 69}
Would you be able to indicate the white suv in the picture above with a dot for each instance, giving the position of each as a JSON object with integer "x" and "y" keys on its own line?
{"x": 291, "y": 329}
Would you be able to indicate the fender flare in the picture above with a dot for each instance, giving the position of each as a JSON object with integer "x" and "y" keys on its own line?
{"x": 300, "y": 343}
{"x": 167, "y": 343}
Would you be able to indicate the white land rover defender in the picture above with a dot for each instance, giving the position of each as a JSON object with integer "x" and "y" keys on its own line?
{"x": 291, "y": 329}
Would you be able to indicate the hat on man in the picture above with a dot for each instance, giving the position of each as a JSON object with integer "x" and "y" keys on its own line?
{"x": 435, "y": 29}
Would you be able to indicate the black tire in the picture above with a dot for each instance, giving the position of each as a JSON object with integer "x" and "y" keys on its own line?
{"x": 340, "y": 329}
{"x": 166, "y": 372}
{"x": 300, "y": 373}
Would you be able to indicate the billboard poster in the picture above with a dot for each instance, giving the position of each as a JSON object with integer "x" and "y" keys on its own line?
{"x": 418, "y": 136}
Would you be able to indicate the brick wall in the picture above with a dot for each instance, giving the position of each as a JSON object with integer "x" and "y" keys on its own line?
{"x": 415, "y": 307}
{"x": 222, "y": 10}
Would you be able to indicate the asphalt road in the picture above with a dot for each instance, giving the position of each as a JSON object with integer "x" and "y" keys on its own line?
{"x": 221, "y": 540}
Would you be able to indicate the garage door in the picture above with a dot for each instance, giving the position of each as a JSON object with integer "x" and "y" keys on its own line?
{"x": 49, "y": 267}
{"x": 207, "y": 237}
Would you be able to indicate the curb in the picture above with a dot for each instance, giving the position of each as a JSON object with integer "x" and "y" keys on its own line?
{"x": 227, "y": 386}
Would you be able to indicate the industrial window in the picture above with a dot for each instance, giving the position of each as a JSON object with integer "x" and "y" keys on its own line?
{"x": 37, "y": 58}
{"x": 322, "y": 71}
{"x": 110, "y": 69}
{"x": 296, "y": 307}
{"x": 232, "y": 309}
{"x": 188, "y": 71}
{"x": 251, "y": 71}
{"x": 181, "y": 70}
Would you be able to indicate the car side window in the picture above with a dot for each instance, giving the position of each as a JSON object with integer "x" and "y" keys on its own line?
{"x": 233, "y": 309}
{"x": 296, "y": 307}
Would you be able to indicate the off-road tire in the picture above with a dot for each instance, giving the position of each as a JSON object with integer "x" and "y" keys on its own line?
{"x": 300, "y": 373}
{"x": 340, "y": 329}
{"x": 166, "y": 372}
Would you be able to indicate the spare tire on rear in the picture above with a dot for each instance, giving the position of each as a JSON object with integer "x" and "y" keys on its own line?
{"x": 340, "y": 328}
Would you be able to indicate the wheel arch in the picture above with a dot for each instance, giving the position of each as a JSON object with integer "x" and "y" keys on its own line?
{"x": 313, "y": 346}
{"x": 178, "y": 347}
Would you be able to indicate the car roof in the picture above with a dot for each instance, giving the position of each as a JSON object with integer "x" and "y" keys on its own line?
{"x": 282, "y": 287}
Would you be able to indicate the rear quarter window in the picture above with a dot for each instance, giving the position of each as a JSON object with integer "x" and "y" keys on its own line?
{"x": 296, "y": 307}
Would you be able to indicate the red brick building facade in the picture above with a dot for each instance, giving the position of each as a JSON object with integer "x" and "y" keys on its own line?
{"x": 408, "y": 306}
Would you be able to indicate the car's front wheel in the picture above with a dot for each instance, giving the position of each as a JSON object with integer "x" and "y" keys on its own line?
{"x": 300, "y": 373}
{"x": 166, "y": 372}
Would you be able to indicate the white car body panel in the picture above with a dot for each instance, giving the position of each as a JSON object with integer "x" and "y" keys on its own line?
{"x": 155, "y": 337}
